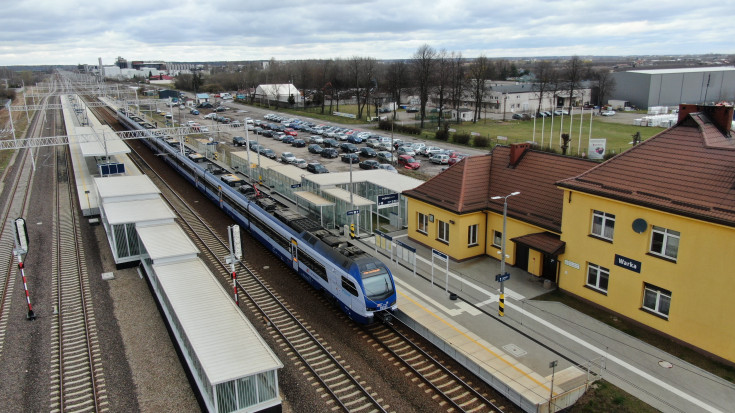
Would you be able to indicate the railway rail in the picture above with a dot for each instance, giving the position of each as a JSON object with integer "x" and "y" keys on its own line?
{"x": 77, "y": 377}
{"x": 455, "y": 394}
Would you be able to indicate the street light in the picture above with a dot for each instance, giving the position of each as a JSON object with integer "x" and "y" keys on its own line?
{"x": 501, "y": 302}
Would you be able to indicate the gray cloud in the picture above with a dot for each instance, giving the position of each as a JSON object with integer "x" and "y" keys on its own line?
{"x": 69, "y": 32}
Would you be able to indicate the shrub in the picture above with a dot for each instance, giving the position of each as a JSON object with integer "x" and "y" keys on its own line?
{"x": 442, "y": 134}
{"x": 461, "y": 138}
{"x": 480, "y": 142}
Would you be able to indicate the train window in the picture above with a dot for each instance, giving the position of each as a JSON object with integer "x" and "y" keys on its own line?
{"x": 349, "y": 286}
{"x": 313, "y": 265}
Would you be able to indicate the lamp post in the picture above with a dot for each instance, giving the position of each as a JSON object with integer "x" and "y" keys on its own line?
{"x": 501, "y": 302}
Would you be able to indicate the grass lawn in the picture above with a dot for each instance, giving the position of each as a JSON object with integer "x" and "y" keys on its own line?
{"x": 619, "y": 136}
{"x": 604, "y": 397}
{"x": 643, "y": 334}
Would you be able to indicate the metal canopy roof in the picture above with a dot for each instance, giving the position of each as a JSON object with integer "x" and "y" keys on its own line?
{"x": 166, "y": 241}
{"x": 344, "y": 195}
{"x": 125, "y": 186}
{"x": 290, "y": 171}
{"x": 226, "y": 343}
{"x": 388, "y": 180}
{"x": 313, "y": 198}
{"x": 137, "y": 211}
{"x": 108, "y": 144}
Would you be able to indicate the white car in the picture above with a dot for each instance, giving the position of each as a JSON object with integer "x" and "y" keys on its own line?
{"x": 301, "y": 163}
{"x": 431, "y": 150}
{"x": 440, "y": 159}
{"x": 287, "y": 157}
{"x": 210, "y": 116}
{"x": 608, "y": 113}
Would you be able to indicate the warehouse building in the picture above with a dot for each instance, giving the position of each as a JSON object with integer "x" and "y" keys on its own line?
{"x": 671, "y": 87}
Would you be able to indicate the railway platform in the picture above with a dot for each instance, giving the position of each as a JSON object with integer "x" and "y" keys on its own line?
{"x": 515, "y": 353}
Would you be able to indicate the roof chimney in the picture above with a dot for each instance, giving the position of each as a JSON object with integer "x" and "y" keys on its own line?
{"x": 516, "y": 152}
{"x": 720, "y": 115}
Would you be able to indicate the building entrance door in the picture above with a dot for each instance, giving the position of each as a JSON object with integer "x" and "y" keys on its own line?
{"x": 521, "y": 257}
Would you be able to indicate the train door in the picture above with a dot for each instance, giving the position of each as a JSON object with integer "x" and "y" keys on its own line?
{"x": 295, "y": 254}
{"x": 219, "y": 195}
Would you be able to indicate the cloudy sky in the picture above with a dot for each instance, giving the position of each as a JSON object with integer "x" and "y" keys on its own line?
{"x": 70, "y": 32}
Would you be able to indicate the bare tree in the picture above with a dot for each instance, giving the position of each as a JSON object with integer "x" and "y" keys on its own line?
{"x": 354, "y": 68}
{"x": 423, "y": 65}
{"x": 605, "y": 83}
{"x": 573, "y": 72}
{"x": 458, "y": 82}
{"x": 395, "y": 78}
{"x": 545, "y": 75}
{"x": 479, "y": 74}
{"x": 369, "y": 82}
{"x": 443, "y": 80}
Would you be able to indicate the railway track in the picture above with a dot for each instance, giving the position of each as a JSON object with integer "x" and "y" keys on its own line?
{"x": 450, "y": 390}
{"x": 347, "y": 392}
{"x": 429, "y": 372}
{"x": 77, "y": 379}
{"x": 15, "y": 207}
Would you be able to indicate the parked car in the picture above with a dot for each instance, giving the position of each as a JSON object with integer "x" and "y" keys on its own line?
{"x": 287, "y": 157}
{"x": 331, "y": 143}
{"x": 314, "y": 148}
{"x": 457, "y": 158}
{"x": 269, "y": 153}
{"x": 194, "y": 112}
{"x": 298, "y": 143}
{"x": 440, "y": 159}
{"x": 329, "y": 153}
{"x": 210, "y": 116}
{"x": 354, "y": 139}
{"x": 317, "y": 168}
{"x": 350, "y": 158}
{"x": 205, "y": 105}
{"x": 608, "y": 113}
{"x": 267, "y": 133}
{"x": 349, "y": 147}
{"x": 517, "y": 116}
{"x": 301, "y": 163}
{"x": 367, "y": 152}
{"x": 236, "y": 124}
{"x": 560, "y": 112}
{"x": 290, "y": 131}
{"x": 288, "y": 139}
{"x": 408, "y": 162}
{"x": 405, "y": 150}
{"x": 239, "y": 141}
{"x": 388, "y": 167}
{"x": 385, "y": 156}
{"x": 369, "y": 164}
{"x": 316, "y": 139}
{"x": 431, "y": 150}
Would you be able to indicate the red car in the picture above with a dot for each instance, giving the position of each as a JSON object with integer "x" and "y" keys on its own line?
{"x": 408, "y": 162}
{"x": 291, "y": 132}
{"x": 457, "y": 158}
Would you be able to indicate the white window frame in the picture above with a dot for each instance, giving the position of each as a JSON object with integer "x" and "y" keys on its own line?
{"x": 497, "y": 239}
{"x": 658, "y": 294}
{"x": 606, "y": 220}
{"x": 472, "y": 235}
{"x": 439, "y": 231}
{"x": 600, "y": 273}
{"x": 669, "y": 235}
{"x": 424, "y": 229}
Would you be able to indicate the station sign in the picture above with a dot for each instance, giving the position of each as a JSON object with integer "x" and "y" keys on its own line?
{"x": 353, "y": 212}
{"x": 502, "y": 277}
{"x": 386, "y": 201}
{"x": 628, "y": 263}
{"x": 294, "y": 186}
{"x": 439, "y": 254}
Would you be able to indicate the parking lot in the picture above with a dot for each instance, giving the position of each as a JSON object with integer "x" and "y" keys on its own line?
{"x": 241, "y": 112}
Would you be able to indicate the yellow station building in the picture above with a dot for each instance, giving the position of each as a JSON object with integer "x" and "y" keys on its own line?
{"x": 649, "y": 232}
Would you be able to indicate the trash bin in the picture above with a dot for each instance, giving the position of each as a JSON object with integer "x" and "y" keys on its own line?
{"x": 548, "y": 284}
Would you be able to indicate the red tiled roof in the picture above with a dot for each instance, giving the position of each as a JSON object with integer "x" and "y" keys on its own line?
{"x": 468, "y": 185}
{"x": 688, "y": 169}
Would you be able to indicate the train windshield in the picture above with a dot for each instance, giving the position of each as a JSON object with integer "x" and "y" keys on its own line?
{"x": 377, "y": 283}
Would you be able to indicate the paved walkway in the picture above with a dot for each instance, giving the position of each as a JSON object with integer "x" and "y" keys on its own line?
{"x": 534, "y": 333}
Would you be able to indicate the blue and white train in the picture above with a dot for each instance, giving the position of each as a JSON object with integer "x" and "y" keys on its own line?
{"x": 360, "y": 284}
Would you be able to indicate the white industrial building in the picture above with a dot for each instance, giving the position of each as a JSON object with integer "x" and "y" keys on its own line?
{"x": 671, "y": 87}
{"x": 277, "y": 92}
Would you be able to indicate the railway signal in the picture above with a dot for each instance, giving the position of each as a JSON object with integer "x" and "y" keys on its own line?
{"x": 21, "y": 248}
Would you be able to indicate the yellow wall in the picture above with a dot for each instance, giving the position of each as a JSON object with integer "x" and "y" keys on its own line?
{"x": 457, "y": 248}
{"x": 701, "y": 280}
{"x": 515, "y": 229}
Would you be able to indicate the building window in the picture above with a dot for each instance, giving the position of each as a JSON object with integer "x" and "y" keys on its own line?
{"x": 422, "y": 225}
{"x": 665, "y": 242}
{"x": 497, "y": 239}
{"x": 597, "y": 277}
{"x": 443, "y": 231}
{"x": 603, "y": 225}
{"x": 657, "y": 300}
{"x": 472, "y": 235}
